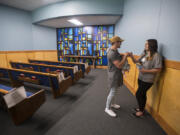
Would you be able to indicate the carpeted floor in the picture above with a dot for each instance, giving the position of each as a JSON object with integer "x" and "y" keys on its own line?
{"x": 80, "y": 111}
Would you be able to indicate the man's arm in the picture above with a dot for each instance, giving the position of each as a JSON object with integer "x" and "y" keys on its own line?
{"x": 119, "y": 63}
{"x": 134, "y": 59}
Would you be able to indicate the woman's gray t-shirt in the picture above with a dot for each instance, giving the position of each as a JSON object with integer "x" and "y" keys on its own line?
{"x": 156, "y": 62}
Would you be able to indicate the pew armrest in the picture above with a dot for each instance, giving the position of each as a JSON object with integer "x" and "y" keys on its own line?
{"x": 77, "y": 76}
{"x": 88, "y": 69}
{"x": 26, "y": 108}
{"x": 65, "y": 84}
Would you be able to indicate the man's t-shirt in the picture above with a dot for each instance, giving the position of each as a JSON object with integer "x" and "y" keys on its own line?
{"x": 115, "y": 77}
{"x": 112, "y": 55}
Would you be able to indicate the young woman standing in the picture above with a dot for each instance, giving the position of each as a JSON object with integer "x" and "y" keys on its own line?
{"x": 150, "y": 63}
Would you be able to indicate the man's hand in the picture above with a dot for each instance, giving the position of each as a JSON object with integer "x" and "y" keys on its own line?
{"x": 130, "y": 54}
{"x": 127, "y": 54}
{"x": 133, "y": 59}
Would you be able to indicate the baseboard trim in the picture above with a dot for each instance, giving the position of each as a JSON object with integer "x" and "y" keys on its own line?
{"x": 165, "y": 126}
{"x": 133, "y": 91}
{"x": 101, "y": 67}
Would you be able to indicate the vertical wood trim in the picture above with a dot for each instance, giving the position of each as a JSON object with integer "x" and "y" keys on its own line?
{"x": 6, "y": 60}
{"x": 135, "y": 77}
{"x": 161, "y": 90}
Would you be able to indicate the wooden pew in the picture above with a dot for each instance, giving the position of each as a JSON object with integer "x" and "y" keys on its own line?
{"x": 18, "y": 76}
{"x": 92, "y": 58}
{"x": 82, "y": 66}
{"x": 25, "y": 108}
{"x": 48, "y": 69}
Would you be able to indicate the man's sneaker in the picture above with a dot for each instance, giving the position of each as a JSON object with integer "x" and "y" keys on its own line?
{"x": 115, "y": 106}
{"x": 110, "y": 112}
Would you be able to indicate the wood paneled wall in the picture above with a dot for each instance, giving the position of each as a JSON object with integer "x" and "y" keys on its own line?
{"x": 163, "y": 99}
{"x": 23, "y": 56}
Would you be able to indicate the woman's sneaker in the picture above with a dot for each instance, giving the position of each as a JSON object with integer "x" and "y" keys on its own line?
{"x": 115, "y": 106}
{"x": 110, "y": 112}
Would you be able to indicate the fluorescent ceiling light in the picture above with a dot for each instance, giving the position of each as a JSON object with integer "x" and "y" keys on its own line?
{"x": 75, "y": 21}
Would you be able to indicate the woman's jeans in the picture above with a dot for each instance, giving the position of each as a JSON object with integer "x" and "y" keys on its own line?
{"x": 143, "y": 87}
{"x": 111, "y": 97}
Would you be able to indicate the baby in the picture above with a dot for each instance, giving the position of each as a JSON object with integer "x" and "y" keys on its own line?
{"x": 126, "y": 67}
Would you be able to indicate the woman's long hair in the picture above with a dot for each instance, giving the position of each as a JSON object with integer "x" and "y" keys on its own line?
{"x": 153, "y": 47}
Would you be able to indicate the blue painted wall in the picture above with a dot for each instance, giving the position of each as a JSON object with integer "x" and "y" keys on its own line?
{"x": 15, "y": 29}
{"x": 141, "y": 20}
{"x": 18, "y": 33}
{"x": 158, "y": 19}
{"x": 78, "y": 7}
{"x": 44, "y": 38}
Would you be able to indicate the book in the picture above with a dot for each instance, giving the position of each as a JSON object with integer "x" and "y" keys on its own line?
{"x": 15, "y": 96}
